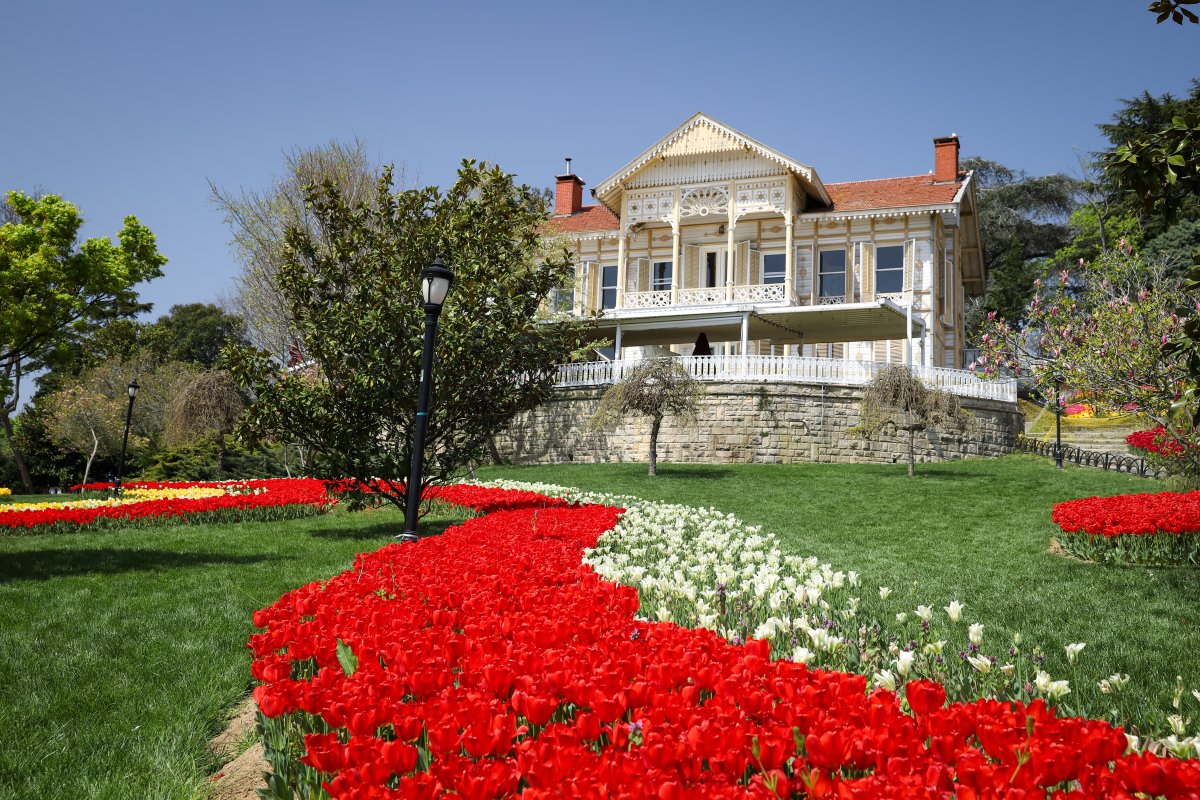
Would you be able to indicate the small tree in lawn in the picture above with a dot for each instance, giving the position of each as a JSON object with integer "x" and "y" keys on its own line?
{"x": 209, "y": 405}
{"x": 897, "y": 397}
{"x": 655, "y": 388}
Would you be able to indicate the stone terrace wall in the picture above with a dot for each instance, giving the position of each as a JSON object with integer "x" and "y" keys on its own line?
{"x": 743, "y": 423}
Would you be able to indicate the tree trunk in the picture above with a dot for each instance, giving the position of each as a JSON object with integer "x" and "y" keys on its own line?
{"x": 22, "y": 468}
{"x": 493, "y": 452}
{"x": 912, "y": 451}
{"x": 654, "y": 426}
{"x": 87, "y": 470}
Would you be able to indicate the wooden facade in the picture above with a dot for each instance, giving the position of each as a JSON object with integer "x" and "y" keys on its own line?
{"x": 711, "y": 231}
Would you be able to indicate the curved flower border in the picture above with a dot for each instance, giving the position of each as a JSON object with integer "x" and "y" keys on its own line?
{"x": 157, "y": 502}
{"x": 489, "y": 662}
{"x": 1151, "y": 528}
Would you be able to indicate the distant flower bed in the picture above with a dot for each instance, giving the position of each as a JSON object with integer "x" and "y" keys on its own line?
{"x": 1158, "y": 528}
{"x": 5, "y": 491}
{"x": 489, "y": 662}
{"x": 1155, "y": 441}
{"x": 159, "y": 502}
{"x": 1078, "y": 410}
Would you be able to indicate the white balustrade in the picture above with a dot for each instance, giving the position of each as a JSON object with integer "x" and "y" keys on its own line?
{"x": 660, "y": 299}
{"x": 702, "y": 297}
{"x": 785, "y": 369}
{"x": 758, "y": 293}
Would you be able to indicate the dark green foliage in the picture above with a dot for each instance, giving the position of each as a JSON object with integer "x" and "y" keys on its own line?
{"x": 194, "y": 333}
{"x": 1014, "y": 206}
{"x": 1173, "y": 10}
{"x": 353, "y": 296}
{"x": 200, "y": 461}
{"x": 1010, "y": 285}
{"x": 1178, "y": 243}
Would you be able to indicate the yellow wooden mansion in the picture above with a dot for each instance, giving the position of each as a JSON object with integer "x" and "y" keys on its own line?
{"x": 711, "y": 232}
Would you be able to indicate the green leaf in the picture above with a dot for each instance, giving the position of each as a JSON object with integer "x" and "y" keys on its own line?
{"x": 346, "y": 658}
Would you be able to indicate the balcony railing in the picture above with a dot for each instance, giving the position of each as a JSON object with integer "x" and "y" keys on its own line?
{"x": 707, "y": 296}
{"x": 792, "y": 369}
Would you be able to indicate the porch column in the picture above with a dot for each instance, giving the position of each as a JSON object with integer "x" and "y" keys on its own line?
{"x": 908, "y": 346}
{"x": 622, "y": 249}
{"x": 789, "y": 257}
{"x": 745, "y": 332}
{"x": 676, "y": 265}
{"x": 729, "y": 251}
{"x": 617, "y": 344}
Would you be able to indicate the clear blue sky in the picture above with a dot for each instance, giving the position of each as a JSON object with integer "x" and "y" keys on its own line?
{"x": 131, "y": 108}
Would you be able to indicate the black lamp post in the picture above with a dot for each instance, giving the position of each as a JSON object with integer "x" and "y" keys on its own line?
{"x": 1058, "y": 423}
{"x": 435, "y": 284}
{"x": 133, "y": 390}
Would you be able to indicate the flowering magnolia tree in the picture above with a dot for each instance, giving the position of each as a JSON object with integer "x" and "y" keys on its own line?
{"x": 1103, "y": 331}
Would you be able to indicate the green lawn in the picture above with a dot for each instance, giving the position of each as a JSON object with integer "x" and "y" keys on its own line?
{"x": 122, "y": 652}
{"x": 976, "y": 531}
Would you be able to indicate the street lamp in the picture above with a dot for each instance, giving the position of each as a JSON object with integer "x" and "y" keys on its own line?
{"x": 133, "y": 390}
{"x": 435, "y": 284}
{"x": 1058, "y": 423}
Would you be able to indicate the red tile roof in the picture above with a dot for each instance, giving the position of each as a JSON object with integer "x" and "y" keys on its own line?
{"x": 586, "y": 220}
{"x": 917, "y": 190}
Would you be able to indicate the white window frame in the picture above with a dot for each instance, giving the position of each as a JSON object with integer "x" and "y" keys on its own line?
{"x": 845, "y": 273}
{"x": 616, "y": 277}
{"x": 762, "y": 266}
{"x": 898, "y": 270}
{"x": 656, "y": 285}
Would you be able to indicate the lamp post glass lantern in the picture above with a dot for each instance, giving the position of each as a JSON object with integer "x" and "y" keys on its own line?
{"x": 133, "y": 390}
{"x": 435, "y": 285}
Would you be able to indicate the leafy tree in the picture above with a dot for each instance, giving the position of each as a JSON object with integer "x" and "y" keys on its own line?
{"x": 897, "y": 397}
{"x": 51, "y": 288}
{"x": 260, "y": 221}
{"x": 655, "y": 388}
{"x": 87, "y": 415}
{"x": 208, "y": 406}
{"x": 194, "y": 333}
{"x": 1022, "y": 221}
{"x": 1101, "y": 331}
{"x": 353, "y": 298}
{"x": 1095, "y": 229}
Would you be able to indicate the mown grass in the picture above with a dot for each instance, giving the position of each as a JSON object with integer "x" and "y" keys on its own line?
{"x": 977, "y": 531}
{"x": 121, "y": 652}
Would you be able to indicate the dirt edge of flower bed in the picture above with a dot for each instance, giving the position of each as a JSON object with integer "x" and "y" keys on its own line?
{"x": 239, "y": 775}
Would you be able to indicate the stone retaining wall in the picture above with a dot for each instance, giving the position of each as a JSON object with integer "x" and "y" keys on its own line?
{"x": 742, "y": 423}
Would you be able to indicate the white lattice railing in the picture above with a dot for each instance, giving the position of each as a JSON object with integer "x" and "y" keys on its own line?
{"x": 660, "y": 299}
{"x": 702, "y": 297}
{"x": 793, "y": 369}
{"x": 758, "y": 293}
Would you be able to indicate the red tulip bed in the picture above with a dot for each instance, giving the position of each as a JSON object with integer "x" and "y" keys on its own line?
{"x": 1155, "y": 441}
{"x": 1158, "y": 528}
{"x": 490, "y": 662}
{"x": 237, "y": 501}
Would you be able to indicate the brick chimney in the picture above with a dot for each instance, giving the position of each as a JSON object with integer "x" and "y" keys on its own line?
{"x": 568, "y": 193}
{"x": 945, "y": 159}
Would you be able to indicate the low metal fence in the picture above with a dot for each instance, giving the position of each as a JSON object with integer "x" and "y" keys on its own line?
{"x": 1092, "y": 458}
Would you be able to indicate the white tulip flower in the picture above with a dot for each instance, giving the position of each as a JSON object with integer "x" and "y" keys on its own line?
{"x": 904, "y": 662}
{"x": 925, "y": 613}
{"x": 1177, "y": 725}
{"x": 982, "y": 664}
{"x": 902, "y": 617}
{"x": 1073, "y": 651}
{"x": 954, "y": 611}
{"x": 802, "y": 655}
{"x": 975, "y": 633}
{"x": 885, "y": 680}
{"x": 884, "y": 592}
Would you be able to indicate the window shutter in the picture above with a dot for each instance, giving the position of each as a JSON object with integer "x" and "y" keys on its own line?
{"x": 867, "y": 259}
{"x": 741, "y": 272}
{"x": 812, "y": 273}
{"x": 910, "y": 259}
{"x": 585, "y": 286}
{"x": 754, "y": 262}
{"x": 850, "y": 274}
{"x": 690, "y": 277}
{"x": 633, "y": 274}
